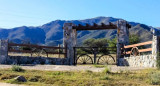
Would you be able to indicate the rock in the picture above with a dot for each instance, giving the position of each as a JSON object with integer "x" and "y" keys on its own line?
{"x": 20, "y": 79}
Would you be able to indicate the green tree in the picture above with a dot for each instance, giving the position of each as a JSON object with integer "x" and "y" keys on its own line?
{"x": 133, "y": 39}
{"x": 95, "y": 42}
{"x": 107, "y": 43}
{"x": 112, "y": 42}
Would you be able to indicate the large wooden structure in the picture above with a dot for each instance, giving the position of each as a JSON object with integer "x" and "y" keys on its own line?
{"x": 70, "y": 35}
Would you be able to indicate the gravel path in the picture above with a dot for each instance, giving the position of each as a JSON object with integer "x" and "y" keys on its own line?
{"x": 74, "y": 68}
{"x": 7, "y": 84}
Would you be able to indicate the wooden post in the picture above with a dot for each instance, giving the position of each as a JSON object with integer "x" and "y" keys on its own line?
{"x": 58, "y": 50}
{"x": 75, "y": 55}
{"x": 65, "y": 51}
{"x": 95, "y": 54}
{"x": 47, "y": 54}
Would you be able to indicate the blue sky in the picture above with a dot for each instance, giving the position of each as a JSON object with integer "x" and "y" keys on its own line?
{"x": 15, "y": 13}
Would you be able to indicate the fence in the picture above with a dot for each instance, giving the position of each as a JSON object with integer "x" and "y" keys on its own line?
{"x": 95, "y": 55}
{"x": 36, "y": 50}
{"x": 136, "y": 49}
{"x": 132, "y": 55}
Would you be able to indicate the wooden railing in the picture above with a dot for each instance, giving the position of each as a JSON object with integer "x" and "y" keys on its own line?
{"x": 19, "y": 48}
{"x": 137, "y": 45}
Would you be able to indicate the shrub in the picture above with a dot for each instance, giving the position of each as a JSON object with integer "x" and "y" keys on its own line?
{"x": 158, "y": 61}
{"x": 155, "y": 78}
{"x": 89, "y": 71}
{"x": 106, "y": 77}
{"x": 17, "y": 68}
{"x": 99, "y": 66}
{"x": 107, "y": 70}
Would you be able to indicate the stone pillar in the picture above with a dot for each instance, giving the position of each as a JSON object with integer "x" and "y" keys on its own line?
{"x": 3, "y": 51}
{"x": 69, "y": 40}
{"x": 155, "y": 48}
{"x": 155, "y": 41}
{"x": 122, "y": 37}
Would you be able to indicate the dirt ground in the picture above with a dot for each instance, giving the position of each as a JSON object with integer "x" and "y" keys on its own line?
{"x": 113, "y": 68}
{"x": 7, "y": 84}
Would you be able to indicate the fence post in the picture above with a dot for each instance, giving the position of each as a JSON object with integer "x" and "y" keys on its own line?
{"x": 75, "y": 55}
{"x": 3, "y": 51}
{"x": 95, "y": 49}
{"x": 59, "y": 50}
{"x": 65, "y": 51}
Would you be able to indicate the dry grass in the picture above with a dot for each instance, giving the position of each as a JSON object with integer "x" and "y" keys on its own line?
{"x": 82, "y": 78}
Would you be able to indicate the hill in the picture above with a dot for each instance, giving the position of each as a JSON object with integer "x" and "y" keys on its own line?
{"x": 52, "y": 32}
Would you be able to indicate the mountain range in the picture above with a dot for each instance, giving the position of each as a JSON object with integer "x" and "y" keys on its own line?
{"x": 52, "y": 32}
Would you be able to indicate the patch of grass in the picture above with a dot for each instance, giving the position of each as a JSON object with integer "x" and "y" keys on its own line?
{"x": 8, "y": 76}
{"x": 89, "y": 71}
{"x": 13, "y": 81}
{"x": 107, "y": 70}
{"x": 80, "y": 78}
{"x": 155, "y": 78}
{"x": 35, "y": 78}
{"x": 17, "y": 68}
{"x": 106, "y": 77}
{"x": 158, "y": 61}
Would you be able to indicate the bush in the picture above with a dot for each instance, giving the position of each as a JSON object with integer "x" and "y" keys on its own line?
{"x": 155, "y": 78}
{"x": 133, "y": 39}
{"x": 107, "y": 70}
{"x": 158, "y": 61}
{"x": 106, "y": 77}
{"x": 89, "y": 71}
{"x": 17, "y": 68}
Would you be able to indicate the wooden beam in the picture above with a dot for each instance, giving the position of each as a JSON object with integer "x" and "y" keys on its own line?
{"x": 26, "y": 51}
{"x": 95, "y": 26}
{"x": 141, "y": 50}
{"x": 99, "y": 27}
{"x": 145, "y": 50}
{"x": 139, "y": 44}
{"x": 20, "y": 51}
{"x": 37, "y": 46}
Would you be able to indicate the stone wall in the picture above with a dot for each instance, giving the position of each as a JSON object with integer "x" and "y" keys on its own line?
{"x": 36, "y": 60}
{"x": 139, "y": 61}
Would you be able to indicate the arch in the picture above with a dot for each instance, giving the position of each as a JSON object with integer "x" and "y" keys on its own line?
{"x": 70, "y": 35}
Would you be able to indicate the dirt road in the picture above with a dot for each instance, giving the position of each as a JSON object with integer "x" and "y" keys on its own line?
{"x": 7, "y": 84}
{"x": 74, "y": 68}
